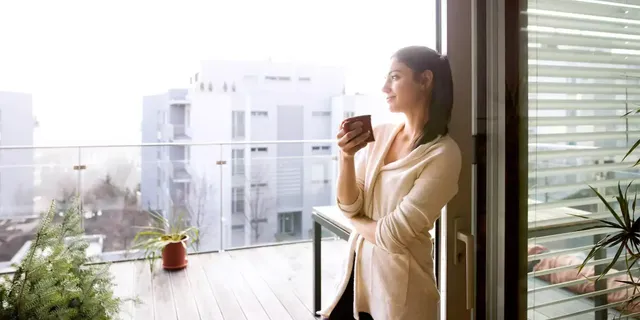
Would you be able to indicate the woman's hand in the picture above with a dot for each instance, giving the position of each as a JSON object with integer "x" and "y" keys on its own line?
{"x": 352, "y": 140}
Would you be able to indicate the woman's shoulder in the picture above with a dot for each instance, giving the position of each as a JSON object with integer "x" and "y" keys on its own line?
{"x": 446, "y": 151}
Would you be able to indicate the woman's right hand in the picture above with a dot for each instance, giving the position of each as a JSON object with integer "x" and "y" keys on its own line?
{"x": 352, "y": 140}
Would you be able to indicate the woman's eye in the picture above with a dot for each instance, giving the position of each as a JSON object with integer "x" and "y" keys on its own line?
{"x": 394, "y": 77}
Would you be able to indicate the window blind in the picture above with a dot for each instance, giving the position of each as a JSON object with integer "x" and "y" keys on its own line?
{"x": 583, "y": 76}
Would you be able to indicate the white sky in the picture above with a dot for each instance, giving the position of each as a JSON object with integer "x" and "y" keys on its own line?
{"x": 88, "y": 63}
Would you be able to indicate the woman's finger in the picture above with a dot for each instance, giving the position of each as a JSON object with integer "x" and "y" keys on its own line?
{"x": 353, "y": 134}
{"x": 359, "y": 141}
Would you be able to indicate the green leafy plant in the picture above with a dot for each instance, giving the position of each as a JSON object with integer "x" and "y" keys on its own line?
{"x": 625, "y": 233}
{"x": 151, "y": 240}
{"x": 55, "y": 280}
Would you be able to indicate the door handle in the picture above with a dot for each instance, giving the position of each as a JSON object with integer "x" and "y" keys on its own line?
{"x": 469, "y": 251}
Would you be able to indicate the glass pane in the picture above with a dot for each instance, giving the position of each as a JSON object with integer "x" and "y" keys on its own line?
{"x": 583, "y": 68}
{"x": 111, "y": 202}
{"x": 273, "y": 194}
{"x": 30, "y": 180}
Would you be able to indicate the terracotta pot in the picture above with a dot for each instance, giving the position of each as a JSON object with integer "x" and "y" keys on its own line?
{"x": 174, "y": 255}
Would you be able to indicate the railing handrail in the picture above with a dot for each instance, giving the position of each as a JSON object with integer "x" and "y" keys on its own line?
{"x": 162, "y": 144}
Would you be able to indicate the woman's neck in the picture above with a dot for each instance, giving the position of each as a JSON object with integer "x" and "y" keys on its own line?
{"x": 414, "y": 125}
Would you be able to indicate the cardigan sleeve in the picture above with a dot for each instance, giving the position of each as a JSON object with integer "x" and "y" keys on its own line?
{"x": 435, "y": 186}
{"x": 351, "y": 210}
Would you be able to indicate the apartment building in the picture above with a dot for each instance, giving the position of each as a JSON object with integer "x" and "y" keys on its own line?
{"x": 254, "y": 192}
{"x": 16, "y": 166}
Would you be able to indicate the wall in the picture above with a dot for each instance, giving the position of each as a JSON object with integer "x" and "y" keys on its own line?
{"x": 16, "y": 166}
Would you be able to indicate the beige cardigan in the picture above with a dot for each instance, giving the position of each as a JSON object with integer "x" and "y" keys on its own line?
{"x": 394, "y": 278}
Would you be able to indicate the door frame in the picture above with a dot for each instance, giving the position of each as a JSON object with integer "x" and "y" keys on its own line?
{"x": 507, "y": 159}
{"x": 458, "y": 220}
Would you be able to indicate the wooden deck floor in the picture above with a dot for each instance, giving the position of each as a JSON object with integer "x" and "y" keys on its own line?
{"x": 260, "y": 283}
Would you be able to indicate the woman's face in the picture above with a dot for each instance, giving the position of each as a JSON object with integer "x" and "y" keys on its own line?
{"x": 404, "y": 93}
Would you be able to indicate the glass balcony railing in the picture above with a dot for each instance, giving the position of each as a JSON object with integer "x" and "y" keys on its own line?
{"x": 238, "y": 194}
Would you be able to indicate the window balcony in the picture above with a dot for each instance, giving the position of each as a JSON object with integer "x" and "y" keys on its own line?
{"x": 181, "y": 133}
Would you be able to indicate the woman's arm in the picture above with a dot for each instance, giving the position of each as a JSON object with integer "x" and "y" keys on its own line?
{"x": 349, "y": 193}
{"x": 365, "y": 226}
{"x": 350, "y": 184}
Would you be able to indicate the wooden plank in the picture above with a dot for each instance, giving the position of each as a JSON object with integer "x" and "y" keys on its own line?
{"x": 143, "y": 291}
{"x": 183, "y": 296}
{"x": 247, "y": 300}
{"x": 205, "y": 300}
{"x": 272, "y": 306}
{"x": 275, "y": 280}
{"x": 291, "y": 274}
{"x": 124, "y": 285}
{"x": 333, "y": 255}
{"x": 163, "y": 299}
{"x": 219, "y": 285}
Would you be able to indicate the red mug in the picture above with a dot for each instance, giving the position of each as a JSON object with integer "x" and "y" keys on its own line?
{"x": 366, "y": 125}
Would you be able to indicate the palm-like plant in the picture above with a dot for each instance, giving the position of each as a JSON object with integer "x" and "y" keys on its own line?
{"x": 162, "y": 232}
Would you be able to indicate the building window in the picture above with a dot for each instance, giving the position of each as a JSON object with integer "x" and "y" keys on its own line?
{"x": 259, "y": 149}
{"x": 237, "y": 200}
{"x": 237, "y": 162}
{"x": 318, "y": 174}
{"x": 318, "y": 148}
{"x": 321, "y": 113}
{"x": 237, "y": 124}
{"x": 259, "y": 113}
{"x": 257, "y": 185}
{"x": 277, "y": 78}
{"x": 306, "y": 79}
{"x": 349, "y": 114}
{"x": 289, "y": 222}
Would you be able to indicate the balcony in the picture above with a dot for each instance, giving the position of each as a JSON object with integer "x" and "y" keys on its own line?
{"x": 180, "y": 171}
{"x": 174, "y": 101}
{"x": 178, "y": 97}
{"x": 181, "y": 133}
{"x": 270, "y": 282}
{"x": 260, "y": 200}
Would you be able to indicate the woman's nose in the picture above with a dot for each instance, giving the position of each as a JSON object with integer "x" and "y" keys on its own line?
{"x": 386, "y": 88}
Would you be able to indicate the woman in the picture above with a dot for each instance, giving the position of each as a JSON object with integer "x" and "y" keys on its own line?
{"x": 394, "y": 192}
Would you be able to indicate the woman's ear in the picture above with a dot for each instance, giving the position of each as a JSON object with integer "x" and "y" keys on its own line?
{"x": 427, "y": 79}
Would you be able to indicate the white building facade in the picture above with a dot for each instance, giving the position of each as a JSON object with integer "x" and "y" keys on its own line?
{"x": 16, "y": 165}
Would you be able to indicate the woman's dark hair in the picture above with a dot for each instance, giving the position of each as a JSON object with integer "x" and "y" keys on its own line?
{"x": 420, "y": 59}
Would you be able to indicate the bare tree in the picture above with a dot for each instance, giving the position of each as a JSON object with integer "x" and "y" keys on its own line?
{"x": 259, "y": 202}
{"x": 199, "y": 216}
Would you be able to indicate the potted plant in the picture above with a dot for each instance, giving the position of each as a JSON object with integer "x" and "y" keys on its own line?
{"x": 167, "y": 238}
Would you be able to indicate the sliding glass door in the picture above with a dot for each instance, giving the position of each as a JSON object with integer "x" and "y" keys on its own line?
{"x": 567, "y": 88}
